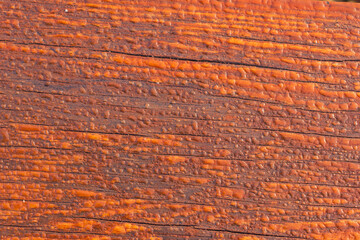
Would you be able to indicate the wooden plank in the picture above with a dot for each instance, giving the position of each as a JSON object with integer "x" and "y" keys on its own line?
{"x": 179, "y": 120}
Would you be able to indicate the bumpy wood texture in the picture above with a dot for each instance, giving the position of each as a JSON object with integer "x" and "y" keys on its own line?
{"x": 179, "y": 119}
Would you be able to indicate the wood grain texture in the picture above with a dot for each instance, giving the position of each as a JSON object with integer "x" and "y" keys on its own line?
{"x": 188, "y": 119}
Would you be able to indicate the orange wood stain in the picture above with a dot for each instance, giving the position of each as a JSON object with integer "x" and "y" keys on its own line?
{"x": 189, "y": 119}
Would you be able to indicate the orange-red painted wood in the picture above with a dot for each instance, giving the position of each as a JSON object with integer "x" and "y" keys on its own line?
{"x": 179, "y": 119}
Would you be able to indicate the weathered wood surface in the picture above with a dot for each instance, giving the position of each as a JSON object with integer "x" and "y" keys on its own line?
{"x": 179, "y": 120}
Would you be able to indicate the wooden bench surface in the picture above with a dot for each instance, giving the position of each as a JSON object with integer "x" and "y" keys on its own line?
{"x": 187, "y": 119}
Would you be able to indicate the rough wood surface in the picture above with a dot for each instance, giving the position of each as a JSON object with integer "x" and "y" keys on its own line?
{"x": 179, "y": 119}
